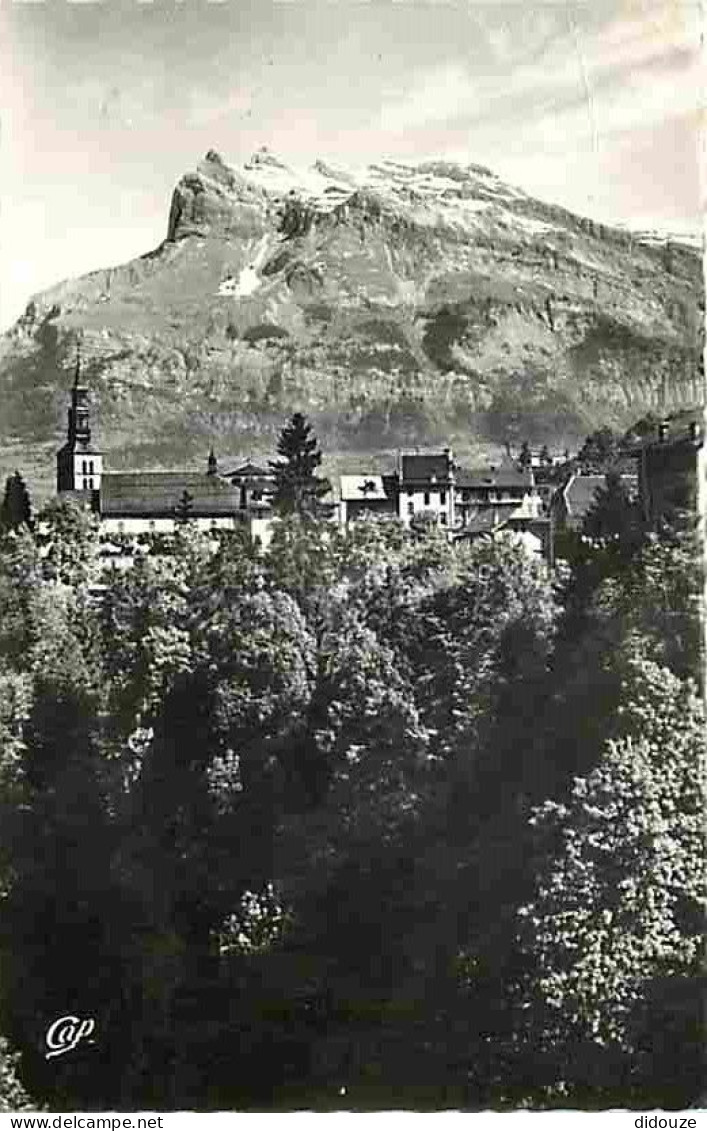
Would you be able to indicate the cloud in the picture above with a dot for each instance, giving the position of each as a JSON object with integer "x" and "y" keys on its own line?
{"x": 619, "y": 74}
{"x": 443, "y": 93}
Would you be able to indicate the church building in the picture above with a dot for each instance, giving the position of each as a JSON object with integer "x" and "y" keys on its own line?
{"x": 146, "y": 502}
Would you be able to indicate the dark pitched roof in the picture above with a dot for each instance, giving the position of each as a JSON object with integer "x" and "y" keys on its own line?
{"x": 506, "y": 476}
{"x": 157, "y": 494}
{"x": 249, "y": 470}
{"x": 486, "y": 522}
{"x": 581, "y": 490}
{"x": 423, "y": 467}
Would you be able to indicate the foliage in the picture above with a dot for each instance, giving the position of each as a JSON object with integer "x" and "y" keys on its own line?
{"x": 600, "y": 451}
{"x": 620, "y": 901}
{"x": 20, "y": 575}
{"x": 260, "y": 923}
{"x": 68, "y": 541}
{"x": 13, "y": 1096}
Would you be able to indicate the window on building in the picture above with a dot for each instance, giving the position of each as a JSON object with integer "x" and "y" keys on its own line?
{"x": 90, "y": 484}
{"x": 443, "y": 519}
{"x": 427, "y": 498}
{"x": 90, "y": 467}
{"x": 411, "y": 508}
{"x": 84, "y": 468}
{"x": 85, "y": 485}
{"x": 443, "y": 498}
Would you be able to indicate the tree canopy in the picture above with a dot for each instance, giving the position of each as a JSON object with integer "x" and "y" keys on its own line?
{"x": 364, "y": 810}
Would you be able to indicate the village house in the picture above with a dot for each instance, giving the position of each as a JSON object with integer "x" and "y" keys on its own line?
{"x": 428, "y": 486}
{"x": 497, "y": 491}
{"x": 425, "y": 486}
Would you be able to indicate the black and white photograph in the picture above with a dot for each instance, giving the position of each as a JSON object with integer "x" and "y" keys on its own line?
{"x": 352, "y": 498}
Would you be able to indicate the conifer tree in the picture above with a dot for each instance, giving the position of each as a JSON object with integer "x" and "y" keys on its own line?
{"x": 298, "y": 488}
{"x": 614, "y": 517}
{"x": 16, "y": 509}
{"x": 183, "y": 510}
{"x": 525, "y": 458}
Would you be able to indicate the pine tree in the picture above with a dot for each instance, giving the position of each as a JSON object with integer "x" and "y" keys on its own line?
{"x": 525, "y": 457}
{"x": 183, "y": 508}
{"x": 298, "y": 488}
{"x": 16, "y": 509}
{"x": 614, "y": 517}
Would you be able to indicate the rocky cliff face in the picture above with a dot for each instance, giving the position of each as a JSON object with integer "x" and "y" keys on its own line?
{"x": 398, "y": 304}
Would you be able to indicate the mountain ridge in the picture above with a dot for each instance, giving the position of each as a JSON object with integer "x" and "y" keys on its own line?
{"x": 395, "y": 303}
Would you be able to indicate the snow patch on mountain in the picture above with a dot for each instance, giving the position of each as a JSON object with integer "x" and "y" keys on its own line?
{"x": 249, "y": 279}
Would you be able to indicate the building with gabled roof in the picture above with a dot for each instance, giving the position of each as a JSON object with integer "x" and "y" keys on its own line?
{"x": 425, "y": 483}
{"x": 160, "y": 496}
{"x": 367, "y": 493}
{"x": 499, "y": 490}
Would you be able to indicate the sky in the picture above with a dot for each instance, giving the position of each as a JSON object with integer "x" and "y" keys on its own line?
{"x": 104, "y": 104}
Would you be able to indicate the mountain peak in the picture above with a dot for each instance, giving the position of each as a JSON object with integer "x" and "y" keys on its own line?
{"x": 265, "y": 158}
{"x": 212, "y": 156}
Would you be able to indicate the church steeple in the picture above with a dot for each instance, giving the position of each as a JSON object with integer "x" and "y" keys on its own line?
{"x": 212, "y": 464}
{"x": 79, "y": 463}
{"x": 79, "y": 412}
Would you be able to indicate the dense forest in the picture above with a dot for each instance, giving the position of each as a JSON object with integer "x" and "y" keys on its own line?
{"x": 366, "y": 820}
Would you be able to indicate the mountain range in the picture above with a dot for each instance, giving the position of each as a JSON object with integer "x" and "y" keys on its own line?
{"x": 395, "y": 304}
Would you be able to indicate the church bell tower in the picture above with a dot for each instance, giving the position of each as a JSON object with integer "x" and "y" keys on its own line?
{"x": 79, "y": 463}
